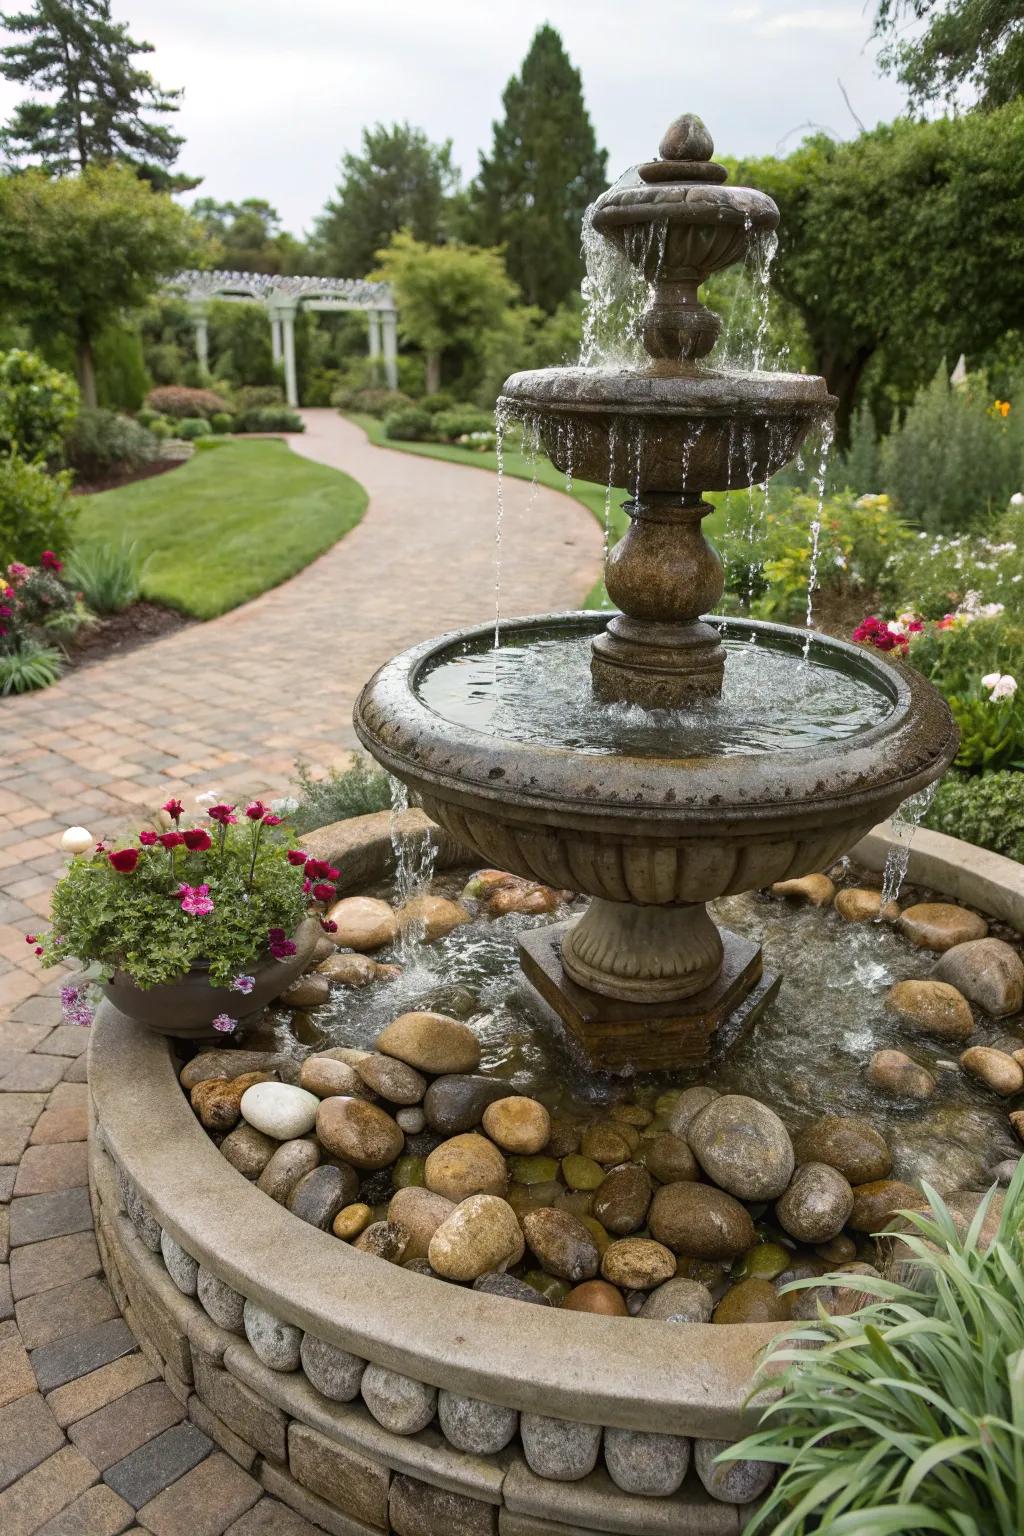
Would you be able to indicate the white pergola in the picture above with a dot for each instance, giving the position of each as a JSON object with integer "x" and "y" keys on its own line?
{"x": 281, "y": 296}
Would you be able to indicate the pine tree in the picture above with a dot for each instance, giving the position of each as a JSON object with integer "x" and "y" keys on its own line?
{"x": 543, "y": 171}
{"x": 98, "y": 107}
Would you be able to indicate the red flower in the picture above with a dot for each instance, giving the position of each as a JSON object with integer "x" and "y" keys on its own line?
{"x": 174, "y": 809}
{"x": 49, "y": 560}
{"x": 296, "y": 857}
{"x": 197, "y": 839}
{"x": 124, "y": 860}
{"x": 224, "y": 814}
{"x": 319, "y": 869}
{"x": 30, "y": 938}
{"x": 324, "y": 892}
{"x": 171, "y": 840}
{"x": 255, "y": 811}
{"x": 270, "y": 820}
{"x": 279, "y": 944}
{"x": 328, "y": 925}
{"x": 148, "y": 839}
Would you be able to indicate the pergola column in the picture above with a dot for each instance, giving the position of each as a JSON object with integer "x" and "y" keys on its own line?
{"x": 374, "y": 318}
{"x": 202, "y": 337}
{"x": 282, "y": 320}
{"x": 390, "y": 325}
{"x": 275, "y": 339}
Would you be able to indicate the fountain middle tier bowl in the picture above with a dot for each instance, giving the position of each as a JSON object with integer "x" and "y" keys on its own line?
{"x": 513, "y": 754}
{"x": 669, "y": 432}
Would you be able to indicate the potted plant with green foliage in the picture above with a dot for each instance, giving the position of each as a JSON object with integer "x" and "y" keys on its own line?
{"x": 192, "y": 930}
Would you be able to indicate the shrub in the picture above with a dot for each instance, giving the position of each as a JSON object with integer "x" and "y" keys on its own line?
{"x": 910, "y": 1410}
{"x": 146, "y": 417}
{"x": 934, "y": 574}
{"x": 461, "y": 420}
{"x": 36, "y": 511}
{"x": 356, "y": 790}
{"x": 410, "y": 425}
{"x": 441, "y": 400}
{"x": 162, "y": 428}
{"x": 222, "y": 421}
{"x": 33, "y": 665}
{"x": 859, "y": 469}
{"x": 249, "y": 397}
{"x": 373, "y": 402}
{"x": 270, "y": 418}
{"x": 37, "y": 405}
{"x": 320, "y": 386}
{"x": 190, "y": 427}
{"x": 986, "y": 809}
{"x": 176, "y": 400}
{"x": 107, "y": 575}
{"x": 102, "y": 441}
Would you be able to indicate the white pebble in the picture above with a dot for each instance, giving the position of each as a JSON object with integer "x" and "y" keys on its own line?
{"x": 280, "y": 1109}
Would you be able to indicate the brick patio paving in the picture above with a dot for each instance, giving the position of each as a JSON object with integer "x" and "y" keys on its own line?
{"x": 92, "y": 1441}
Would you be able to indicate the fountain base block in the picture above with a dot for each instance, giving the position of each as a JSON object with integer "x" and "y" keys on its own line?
{"x": 618, "y": 1036}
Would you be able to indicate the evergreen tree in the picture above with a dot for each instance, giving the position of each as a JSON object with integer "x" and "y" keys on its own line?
{"x": 247, "y": 236}
{"x": 543, "y": 171}
{"x": 99, "y": 106}
{"x": 400, "y": 180}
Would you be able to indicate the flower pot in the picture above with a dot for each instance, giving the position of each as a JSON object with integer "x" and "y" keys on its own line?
{"x": 187, "y": 1007}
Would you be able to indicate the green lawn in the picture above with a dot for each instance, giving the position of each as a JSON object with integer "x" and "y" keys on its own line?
{"x": 233, "y": 521}
{"x": 592, "y": 496}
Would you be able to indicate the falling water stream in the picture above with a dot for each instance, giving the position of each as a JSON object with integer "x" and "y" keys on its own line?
{"x": 905, "y": 822}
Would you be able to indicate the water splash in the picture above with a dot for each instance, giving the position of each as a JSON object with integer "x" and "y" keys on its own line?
{"x": 905, "y": 822}
{"x": 615, "y": 291}
{"x": 414, "y": 858}
{"x": 818, "y": 481}
{"x": 502, "y": 414}
{"x": 613, "y": 442}
{"x": 764, "y": 249}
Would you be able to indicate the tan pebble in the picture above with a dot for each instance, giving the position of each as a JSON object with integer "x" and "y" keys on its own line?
{"x": 349, "y": 970}
{"x": 481, "y": 1235}
{"x": 875, "y": 1204}
{"x": 529, "y": 899}
{"x": 637, "y": 1264}
{"x": 351, "y": 1220}
{"x": 362, "y": 1134}
{"x": 751, "y": 1301}
{"x": 289, "y": 1163}
{"x": 996, "y": 1069}
{"x": 325, "y": 1077}
{"x": 938, "y": 925}
{"x": 518, "y": 1124}
{"x": 431, "y": 1042}
{"x": 433, "y": 915}
{"x": 466, "y": 1165}
{"x": 309, "y": 991}
{"x": 895, "y": 1073}
{"x": 363, "y": 923}
{"x": 420, "y": 1212}
{"x": 217, "y": 1101}
{"x": 816, "y": 889}
{"x": 931, "y": 1008}
{"x": 596, "y": 1296}
{"x": 607, "y": 1144}
{"x": 860, "y": 906}
{"x": 386, "y": 1240}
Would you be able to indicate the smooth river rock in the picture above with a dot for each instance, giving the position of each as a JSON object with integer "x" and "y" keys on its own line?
{"x": 856, "y": 905}
{"x": 476, "y": 1427}
{"x": 181, "y": 1266}
{"x": 456, "y": 1102}
{"x": 481, "y": 1235}
{"x": 646, "y": 1463}
{"x": 596, "y": 1296}
{"x": 218, "y": 1101}
{"x": 700, "y": 1221}
{"x": 227, "y": 1065}
{"x": 743, "y": 1146}
{"x": 562, "y": 1243}
{"x": 289, "y": 1163}
{"x": 668, "y": 1158}
{"x": 363, "y": 1134}
{"x": 622, "y": 1201}
{"x": 248, "y": 1150}
{"x": 363, "y": 923}
{"x": 331, "y": 1370}
{"x": 988, "y": 972}
{"x": 511, "y": 1288}
{"x": 397, "y": 1402}
{"x": 679, "y": 1301}
{"x": 466, "y": 1165}
{"x": 637, "y": 1263}
{"x": 392, "y": 1079}
{"x": 875, "y": 1204}
{"x": 732, "y": 1482}
{"x": 938, "y": 925}
{"x": 996, "y": 1069}
{"x": 895, "y": 1073}
{"x": 687, "y": 1106}
{"x": 931, "y": 1008}
{"x": 559, "y": 1449}
{"x": 847, "y": 1143}
{"x": 818, "y": 890}
{"x": 319, "y": 1195}
{"x": 349, "y": 970}
{"x": 274, "y": 1342}
{"x": 433, "y": 916}
{"x": 327, "y": 1077}
{"x": 431, "y": 1042}
{"x": 386, "y": 1240}
{"x": 517, "y": 1124}
{"x": 751, "y": 1301}
{"x": 280, "y": 1110}
{"x": 815, "y": 1207}
{"x": 420, "y": 1212}
{"x": 609, "y": 1143}
{"x": 220, "y": 1301}
{"x": 310, "y": 991}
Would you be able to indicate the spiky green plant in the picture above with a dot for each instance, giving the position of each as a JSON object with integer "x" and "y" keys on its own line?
{"x": 907, "y": 1416}
{"x": 355, "y": 790}
{"x": 29, "y": 667}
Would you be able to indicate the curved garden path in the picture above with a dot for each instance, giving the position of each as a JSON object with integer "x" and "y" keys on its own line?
{"x": 92, "y": 1441}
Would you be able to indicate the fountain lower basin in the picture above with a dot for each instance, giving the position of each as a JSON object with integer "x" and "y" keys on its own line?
{"x": 662, "y": 817}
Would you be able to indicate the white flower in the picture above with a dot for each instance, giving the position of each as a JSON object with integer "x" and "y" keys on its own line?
{"x": 990, "y": 679}
{"x": 76, "y": 840}
{"x": 209, "y": 798}
{"x": 1017, "y": 499}
{"x": 999, "y": 685}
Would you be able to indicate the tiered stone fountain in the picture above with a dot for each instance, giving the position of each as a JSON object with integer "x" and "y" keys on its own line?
{"x": 706, "y": 757}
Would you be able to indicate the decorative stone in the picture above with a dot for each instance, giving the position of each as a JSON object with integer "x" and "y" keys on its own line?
{"x": 818, "y": 890}
{"x": 392, "y": 1079}
{"x": 895, "y": 1073}
{"x": 431, "y": 1042}
{"x": 227, "y": 1065}
{"x": 816, "y": 1205}
{"x": 687, "y": 1105}
{"x": 351, "y": 1220}
{"x": 996, "y": 1069}
{"x": 181, "y": 1266}
{"x": 310, "y": 991}
{"x": 479, "y": 1428}
{"x": 332, "y": 1371}
{"x": 433, "y": 916}
{"x": 420, "y": 1212}
{"x": 581, "y": 1172}
{"x": 607, "y": 1143}
{"x": 466, "y": 1165}
{"x": 839, "y": 1250}
{"x": 481, "y": 1235}
{"x": 668, "y": 1158}
{"x": 1004, "y": 1171}
{"x": 700, "y": 1221}
{"x": 679, "y": 1301}
{"x": 743, "y": 1146}
{"x": 751, "y": 1301}
{"x": 564, "y": 1140}
{"x": 289, "y": 1163}
{"x": 596, "y": 1296}
{"x": 272, "y": 1341}
{"x": 522, "y": 896}
{"x": 637, "y": 1264}
{"x": 860, "y": 906}
{"x": 847, "y": 1143}
{"x": 248, "y": 1150}
{"x": 631, "y": 1114}
{"x": 327, "y": 1077}
{"x": 456, "y": 1102}
{"x": 622, "y": 1201}
{"x": 549, "y": 1285}
{"x": 517, "y": 1124}
{"x": 1017, "y": 1123}
{"x": 511, "y": 1289}
{"x": 562, "y": 1244}
{"x": 319, "y": 1195}
{"x": 363, "y": 1134}
{"x": 938, "y": 925}
{"x": 533, "y": 1171}
{"x": 559, "y": 1449}
{"x": 408, "y": 1170}
{"x": 931, "y": 1008}
{"x": 217, "y": 1101}
{"x": 397, "y": 1402}
{"x": 765, "y": 1261}
{"x": 875, "y": 1204}
{"x": 411, "y": 1120}
{"x": 363, "y": 923}
{"x": 987, "y": 972}
{"x": 646, "y": 1463}
{"x": 732, "y": 1482}
{"x": 280, "y": 1110}
{"x": 348, "y": 970}
{"x": 220, "y": 1301}
{"x": 384, "y": 1240}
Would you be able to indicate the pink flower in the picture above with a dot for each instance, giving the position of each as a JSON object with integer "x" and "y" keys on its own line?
{"x": 243, "y": 984}
{"x": 197, "y": 839}
{"x": 17, "y": 572}
{"x": 324, "y": 892}
{"x": 170, "y": 840}
{"x": 319, "y": 869}
{"x": 224, "y": 814}
{"x": 255, "y": 811}
{"x": 75, "y": 1007}
{"x": 50, "y": 562}
{"x": 174, "y": 809}
{"x": 148, "y": 839}
{"x": 224, "y": 1024}
{"x": 124, "y": 860}
{"x": 30, "y": 938}
{"x": 195, "y": 899}
{"x": 271, "y": 820}
{"x": 279, "y": 944}
{"x": 296, "y": 857}
{"x": 328, "y": 925}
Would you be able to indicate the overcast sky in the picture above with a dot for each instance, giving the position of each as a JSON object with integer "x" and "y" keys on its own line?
{"x": 277, "y": 90}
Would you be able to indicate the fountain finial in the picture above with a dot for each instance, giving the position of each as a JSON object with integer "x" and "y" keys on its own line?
{"x": 686, "y": 139}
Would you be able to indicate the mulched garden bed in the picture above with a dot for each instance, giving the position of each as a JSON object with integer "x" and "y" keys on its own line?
{"x": 118, "y": 633}
{"x": 116, "y": 479}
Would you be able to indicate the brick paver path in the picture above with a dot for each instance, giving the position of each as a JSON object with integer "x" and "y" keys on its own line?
{"x": 92, "y": 1441}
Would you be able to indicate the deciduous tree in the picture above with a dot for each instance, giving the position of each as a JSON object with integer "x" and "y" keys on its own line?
{"x": 973, "y": 44}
